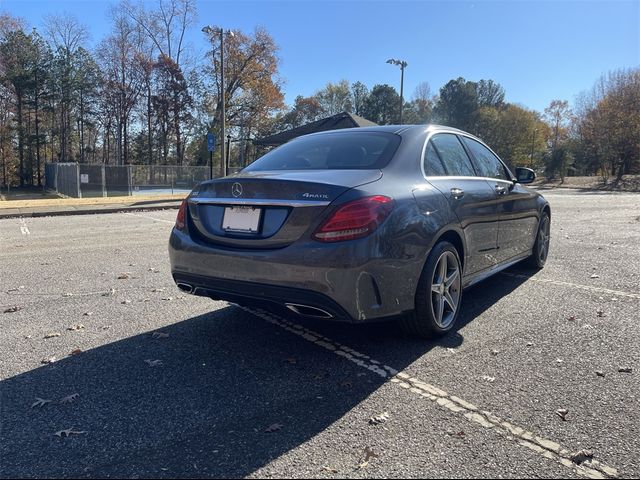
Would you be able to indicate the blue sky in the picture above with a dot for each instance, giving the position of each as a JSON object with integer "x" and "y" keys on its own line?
{"x": 538, "y": 50}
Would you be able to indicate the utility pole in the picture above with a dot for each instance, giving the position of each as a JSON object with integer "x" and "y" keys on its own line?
{"x": 402, "y": 64}
{"x": 210, "y": 31}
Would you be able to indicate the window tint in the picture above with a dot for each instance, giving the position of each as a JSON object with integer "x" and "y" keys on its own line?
{"x": 353, "y": 150}
{"x": 432, "y": 164}
{"x": 487, "y": 163}
{"x": 455, "y": 159}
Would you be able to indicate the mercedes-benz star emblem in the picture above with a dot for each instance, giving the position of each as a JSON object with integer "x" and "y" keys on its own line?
{"x": 236, "y": 189}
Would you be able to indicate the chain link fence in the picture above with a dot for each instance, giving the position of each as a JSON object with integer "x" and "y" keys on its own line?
{"x": 85, "y": 181}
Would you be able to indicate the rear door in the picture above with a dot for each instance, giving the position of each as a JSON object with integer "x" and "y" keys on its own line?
{"x": 448, "y": 168}
{"x": 516, "y": 205}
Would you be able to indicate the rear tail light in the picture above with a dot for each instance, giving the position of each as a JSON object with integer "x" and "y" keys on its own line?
{"x": 181, "y": 219}
{"x": 355, "y": 219}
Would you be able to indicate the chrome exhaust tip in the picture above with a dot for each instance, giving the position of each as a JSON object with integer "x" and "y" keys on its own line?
{"x": 185, "y": 287}
{"x": 308, "y": 311}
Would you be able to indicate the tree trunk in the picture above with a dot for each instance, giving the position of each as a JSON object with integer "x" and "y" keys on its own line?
{"x": 20, "y": 138}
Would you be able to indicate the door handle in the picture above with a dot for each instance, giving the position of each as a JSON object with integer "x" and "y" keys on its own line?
{"x": 500, "y": 190}
{"x": 457, "y": 193}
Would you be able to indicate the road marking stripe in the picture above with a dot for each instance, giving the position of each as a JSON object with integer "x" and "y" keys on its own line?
{"x": 544, "y": 447}
{"x": 608, "y": 291}
{"x": 150, "y": 218}
{"x": 23, "y": 227}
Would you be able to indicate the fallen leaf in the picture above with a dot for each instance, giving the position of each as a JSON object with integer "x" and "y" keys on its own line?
{"x": 40, "y": 402}
{"x": 52, "y": 335}
{"x": 625, "y": 370}
{"x": 529, "y": 344}
{"x": 77, "y": 351}
{"x": 68, "y": 432}
{"x": 363, "y": 465}
{"x": 329, "y": 469}
{"x": 581, "y": 456}
{"x": 488, "y": 378}
{"x": 495, "y": 352}
{"x": 157, "y": 290}
{"x": 154, "y": 270}
{"x": 601, "y": 313}
{"x": 378, "y": 419}
{"x": 13, "y": 309}
{"x": 559, "y": 360}
{"x": 110, "y": 293}
{"x": 594, "y": 275}
{"x": 572, "y": 318}
{"x": 69, "y": 398}
{"x": 87, "y": 314}
{"x": 600, "y": 373}
{"x": 79, "y": 326}
{"x": 562, "y": 413}
{"x": 154, "y": 363}
{"x": 125, "y": 302}
{"x": 273, "y": 428}
{"x": 124, "y": 276}
{"x": 160, "y": 335}
{"x": 48, "y": 361}
{"x": 368, "y": 453}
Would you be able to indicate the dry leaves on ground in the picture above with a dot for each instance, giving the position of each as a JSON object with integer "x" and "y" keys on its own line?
{"x": 378, "y": 419}
{"x": 52, "y": 335}
{"x": 14, "y": 308}
{"x": 69, "y": 398}
{"x": 562, "y": 413}
{"x": 40, "y": 402}
{"x": 273, "y": 428}
{"x": 68, "y": 432}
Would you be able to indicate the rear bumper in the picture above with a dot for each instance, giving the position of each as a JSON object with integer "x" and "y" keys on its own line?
{"x": 355, "y": 281}
{"x": 249, "y": 292}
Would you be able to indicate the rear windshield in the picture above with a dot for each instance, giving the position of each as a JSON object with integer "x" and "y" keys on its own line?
{"x": 333, "y": 151}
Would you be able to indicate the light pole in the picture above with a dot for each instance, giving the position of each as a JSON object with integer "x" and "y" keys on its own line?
{"x": 533, "y": 140}
{"x": 402, "y": 64}
{"x": 211, "y": 31}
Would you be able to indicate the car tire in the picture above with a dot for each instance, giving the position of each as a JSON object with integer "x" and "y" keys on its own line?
{"x": 540, "y": 251}
{"x": 438, "y": 296}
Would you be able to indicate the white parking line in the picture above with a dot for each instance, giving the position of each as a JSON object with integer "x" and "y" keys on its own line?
{"x": 150, "y": 218}
{"x": 542, "y": 446}
{"x": 23, "y": 227}
{"x": 590, "y": 288}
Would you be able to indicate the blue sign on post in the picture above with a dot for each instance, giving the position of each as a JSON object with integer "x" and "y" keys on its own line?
{"x": 211, "y": 142}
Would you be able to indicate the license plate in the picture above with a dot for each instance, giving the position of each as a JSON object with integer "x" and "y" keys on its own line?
{"x": 241, "y": 219}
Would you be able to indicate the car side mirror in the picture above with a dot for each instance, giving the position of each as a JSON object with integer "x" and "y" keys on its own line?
{"x": 525, "y": 175}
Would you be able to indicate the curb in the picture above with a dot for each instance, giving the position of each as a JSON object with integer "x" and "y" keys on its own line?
{"x": 61, "y": 213}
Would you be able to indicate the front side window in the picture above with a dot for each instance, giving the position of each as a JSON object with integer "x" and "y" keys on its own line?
{"x": 487, "y": 163}
{"x": 331, "y": 151}
{"x": 455, "y": 160}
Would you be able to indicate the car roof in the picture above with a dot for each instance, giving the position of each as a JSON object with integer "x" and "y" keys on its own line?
{"x": 404, "y": 130}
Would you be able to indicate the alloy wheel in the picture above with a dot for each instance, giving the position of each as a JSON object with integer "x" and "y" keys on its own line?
{"x": 445, "y": 289}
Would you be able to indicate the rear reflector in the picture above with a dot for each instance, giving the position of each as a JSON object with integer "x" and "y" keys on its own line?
{"x": 355, "y": 219}
{"x": 181, "y": 219}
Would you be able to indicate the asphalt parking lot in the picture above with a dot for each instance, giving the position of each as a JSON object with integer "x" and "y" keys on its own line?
{"x": 150, "y": 382}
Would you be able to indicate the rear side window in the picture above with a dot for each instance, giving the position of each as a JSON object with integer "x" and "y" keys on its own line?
{"x": 454, "y": 158}
{"x": 332, "y": 151}
{"x": 487, "y": 163}
{"x": 432, "y": 164}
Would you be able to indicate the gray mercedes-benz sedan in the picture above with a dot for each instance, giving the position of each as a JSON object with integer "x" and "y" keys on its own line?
{"x": 361, "y": 224}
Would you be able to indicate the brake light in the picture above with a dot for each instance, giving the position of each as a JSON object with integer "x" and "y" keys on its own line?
{"x": 355, "y": 219}
{"x": 181, "y": 219}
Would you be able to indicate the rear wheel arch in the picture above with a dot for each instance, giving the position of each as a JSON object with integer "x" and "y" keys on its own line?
{"x": 456, "y": 239}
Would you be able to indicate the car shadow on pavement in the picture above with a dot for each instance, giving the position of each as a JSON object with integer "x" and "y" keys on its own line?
{"x": 222, "y": 395}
